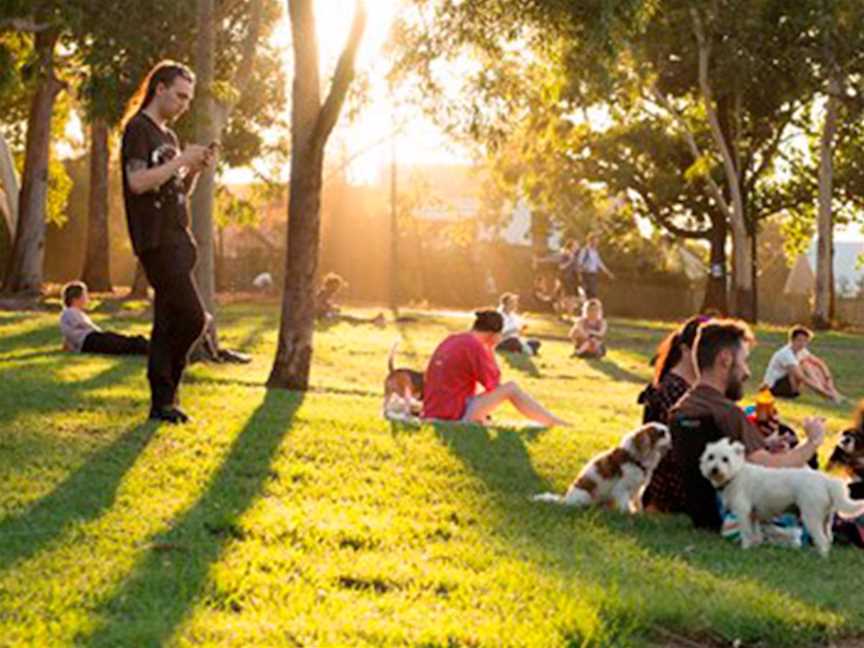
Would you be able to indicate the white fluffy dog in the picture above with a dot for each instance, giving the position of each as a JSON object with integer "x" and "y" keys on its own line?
{"x": 753, "y": 492}
{"x": 618, "y": 476}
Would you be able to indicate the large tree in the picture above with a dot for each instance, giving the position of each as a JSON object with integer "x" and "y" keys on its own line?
{"x": 730, "y": 69}
{"x": 837, "y": 60}
{"x": 24, "y": 269}
{"x": 239, "y": 88}
{"x": 312, "y": 121}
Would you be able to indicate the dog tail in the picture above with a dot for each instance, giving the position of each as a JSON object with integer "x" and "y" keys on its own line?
{"x": 575, "y": 497}
{"x": 391, "y": 356}
{"x": 846, "y": 506}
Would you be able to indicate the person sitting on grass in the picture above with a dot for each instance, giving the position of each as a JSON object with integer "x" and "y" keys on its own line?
{"x": 589, "y": 331}
{"x": 464, "y": 360}
{"x": 325, "y": 306}
{"x": 511, "y": 335}
{"x": 81, "y": 335}
{"x": 794, "y": 366}
{"x": 721, "y": 352}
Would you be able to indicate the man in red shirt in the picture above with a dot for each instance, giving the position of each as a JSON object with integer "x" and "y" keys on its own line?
{"x": 461, "y": 362}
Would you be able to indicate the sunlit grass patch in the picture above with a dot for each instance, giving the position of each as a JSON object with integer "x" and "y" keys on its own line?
{"x": 284, "y": 519}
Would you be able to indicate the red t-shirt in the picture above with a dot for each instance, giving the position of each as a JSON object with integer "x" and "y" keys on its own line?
{"x": 458, "y": 364}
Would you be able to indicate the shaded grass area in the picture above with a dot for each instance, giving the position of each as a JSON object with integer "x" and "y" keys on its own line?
{"x": 284, "y": 519}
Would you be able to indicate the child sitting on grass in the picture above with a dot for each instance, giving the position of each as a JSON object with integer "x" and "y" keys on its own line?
{"x": 81, "y": 335}
{"x": 589, "y": 331}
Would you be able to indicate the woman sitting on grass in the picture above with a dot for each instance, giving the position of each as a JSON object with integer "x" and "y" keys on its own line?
{"x": 464, "y": 360}
{"x": 511, "y": 335}
{"x": 589, "y": 331}
{"x": 674, "y": 372}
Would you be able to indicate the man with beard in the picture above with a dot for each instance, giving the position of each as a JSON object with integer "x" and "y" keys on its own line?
{"x": 709, "y": 411}
{"x": 721, "y": 349}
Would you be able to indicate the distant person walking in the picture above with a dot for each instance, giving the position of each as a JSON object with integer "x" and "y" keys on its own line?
{"x": 590, "y": 265}
{"x": 157, "y": 181}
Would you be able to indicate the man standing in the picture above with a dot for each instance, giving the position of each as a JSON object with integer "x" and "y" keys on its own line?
{"x": 157, "y": 182}
{"x": 590, "y": 265}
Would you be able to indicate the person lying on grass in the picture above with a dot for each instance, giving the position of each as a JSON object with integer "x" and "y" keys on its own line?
{"x": 461, "y": 362}
{"x": 81, "y": 335}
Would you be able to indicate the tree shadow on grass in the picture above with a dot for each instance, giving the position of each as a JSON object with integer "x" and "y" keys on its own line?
{"x": 521, "y": 362}
{"x": 163, "y": 587}
{"x": 39, "y": 336}
{"x": 615, "y": 371}
{"x": 37, "y": 390}
{"x": 498, "y": 456}
{"x": 84, "y": 495}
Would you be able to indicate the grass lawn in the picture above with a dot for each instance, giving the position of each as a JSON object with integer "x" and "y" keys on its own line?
{"x": 280, "y": 519}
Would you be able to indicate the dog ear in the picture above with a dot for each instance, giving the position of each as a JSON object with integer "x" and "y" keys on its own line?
{"x": 738, "y": 448}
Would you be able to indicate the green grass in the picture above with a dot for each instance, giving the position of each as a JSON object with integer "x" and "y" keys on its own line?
{"x": 279, "y": 519}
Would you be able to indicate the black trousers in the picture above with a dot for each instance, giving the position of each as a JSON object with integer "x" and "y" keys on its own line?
{"x": 178, "y": 318}
{"x": 589, "y": 283}
{"x": 115, "y": 344}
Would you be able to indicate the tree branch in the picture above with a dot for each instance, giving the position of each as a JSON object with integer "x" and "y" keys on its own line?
{"x": 737, "y": 213}
{"x": 665, "y": 221}
{"x": 341, "y": 78}
{"x": 716, "y": 192}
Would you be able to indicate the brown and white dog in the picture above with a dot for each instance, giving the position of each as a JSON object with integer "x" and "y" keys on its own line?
{"x": 403, "y": 389}
{"x": 617, "y": 477}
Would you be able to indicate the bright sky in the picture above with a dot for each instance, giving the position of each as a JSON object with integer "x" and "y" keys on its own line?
{"x": 367, "y": 137}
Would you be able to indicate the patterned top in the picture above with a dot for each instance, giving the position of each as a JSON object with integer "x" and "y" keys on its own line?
{"x": 666, "y": 489}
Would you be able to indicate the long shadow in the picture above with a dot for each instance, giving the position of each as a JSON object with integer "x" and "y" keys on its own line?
{"x": 160, "y": 591}
{"x": 616, "y": 372}
{"x": 501, "y": 459}
{"x": 36, "y": 390}
{"x": 47, "y": 334}
{"x": 521, "y": 362}
{"x": 83, "y": 495}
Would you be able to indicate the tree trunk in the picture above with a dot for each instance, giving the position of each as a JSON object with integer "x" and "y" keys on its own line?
{"x": 742, "y": 286}
{"x": 206, "y": 131}
{"x": 822, "y": 305}
{"x": 24, "y": 274}
{"x": 715, "y": 289}
{"x": 9, "y": 184}
{"x": 139, "y": 283}
{"x": 742, "y": 279}
{"x": 311, "y": 125}
{"x": 97, "y": 264}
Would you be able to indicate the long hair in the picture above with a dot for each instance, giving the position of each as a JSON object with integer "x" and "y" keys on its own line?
{"x": 163, "y": 72}
{"x": 669, "y": 352}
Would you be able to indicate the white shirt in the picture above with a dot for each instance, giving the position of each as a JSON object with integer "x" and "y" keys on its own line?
{"x": 512, "y": 324}
{"x": 781, "y": 364}
{"x": 75, "y": 325}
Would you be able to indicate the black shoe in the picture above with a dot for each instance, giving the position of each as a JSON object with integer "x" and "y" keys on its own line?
{"x": 169, "y": 415}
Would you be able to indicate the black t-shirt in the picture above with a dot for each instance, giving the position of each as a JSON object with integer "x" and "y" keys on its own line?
{"x": 159, "y": 217}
